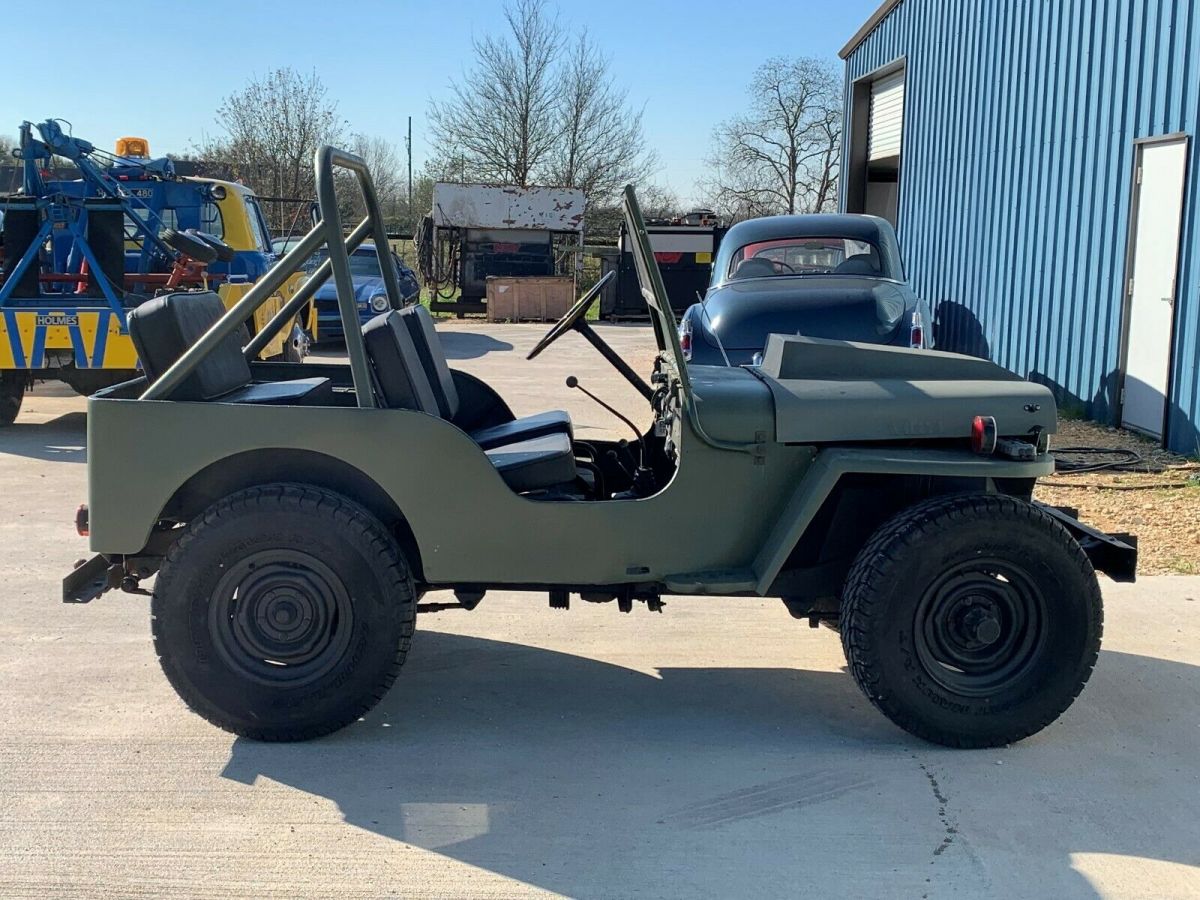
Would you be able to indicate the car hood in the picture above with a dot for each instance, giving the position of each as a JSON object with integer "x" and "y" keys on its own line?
{"x": 365, "y": 287}
{"x": 743, "y": 313}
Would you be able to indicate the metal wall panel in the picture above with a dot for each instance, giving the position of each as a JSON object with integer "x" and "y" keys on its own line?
{"x": 1019, "y": 127}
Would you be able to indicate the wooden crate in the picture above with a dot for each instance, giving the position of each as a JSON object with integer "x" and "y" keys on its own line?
{"x": 532, "y": 299}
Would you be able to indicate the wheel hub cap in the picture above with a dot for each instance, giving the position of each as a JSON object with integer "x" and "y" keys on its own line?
{"x": 281, "y": 617}
{"x": 979, "y": 626}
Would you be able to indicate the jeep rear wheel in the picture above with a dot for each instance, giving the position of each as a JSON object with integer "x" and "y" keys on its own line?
{"x": 971, "y": 620}
{"x": 283, "y": 612}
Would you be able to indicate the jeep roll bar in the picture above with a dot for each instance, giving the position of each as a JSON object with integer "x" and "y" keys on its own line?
{"x": 327, "y": 232}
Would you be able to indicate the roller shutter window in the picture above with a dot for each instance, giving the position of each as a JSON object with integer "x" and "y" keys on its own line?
{"x": 885, "y": 130}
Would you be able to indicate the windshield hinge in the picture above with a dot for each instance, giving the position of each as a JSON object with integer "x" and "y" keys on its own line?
{"x": 760, "y": 448}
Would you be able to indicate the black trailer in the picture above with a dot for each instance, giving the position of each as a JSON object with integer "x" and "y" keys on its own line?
{"x": 684, "y": 253}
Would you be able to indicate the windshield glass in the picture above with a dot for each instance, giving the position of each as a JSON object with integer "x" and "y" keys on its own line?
{"x": 808, "y": 256}
{"x": 363, "y": 263}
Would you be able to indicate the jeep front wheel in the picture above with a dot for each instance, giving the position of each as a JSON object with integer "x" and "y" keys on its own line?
{"x": 283, "y": 612}
{"x": 971, "y": 620}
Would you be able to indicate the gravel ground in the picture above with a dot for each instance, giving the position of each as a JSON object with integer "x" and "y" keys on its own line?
{"x": 1159, "y": 501}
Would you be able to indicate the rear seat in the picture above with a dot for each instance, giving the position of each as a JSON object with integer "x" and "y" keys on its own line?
{"x": 531, "y": 454}
{"x": 163, "y": 328}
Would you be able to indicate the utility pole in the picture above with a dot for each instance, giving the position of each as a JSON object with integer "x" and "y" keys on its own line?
{"x": 408, "y": 144}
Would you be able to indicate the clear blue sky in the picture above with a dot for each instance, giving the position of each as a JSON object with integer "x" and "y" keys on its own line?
{"x": 688, "y": 62}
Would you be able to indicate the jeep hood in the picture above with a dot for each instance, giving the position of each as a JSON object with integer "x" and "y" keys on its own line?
{"x": 839, "y": 391}
{"x": 744, "y": 312}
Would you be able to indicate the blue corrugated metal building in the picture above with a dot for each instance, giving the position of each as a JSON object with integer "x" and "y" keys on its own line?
{"x": 1038, "y": 159}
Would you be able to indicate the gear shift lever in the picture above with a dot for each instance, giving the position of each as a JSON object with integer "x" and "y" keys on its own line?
{"x": 643, "y": 478}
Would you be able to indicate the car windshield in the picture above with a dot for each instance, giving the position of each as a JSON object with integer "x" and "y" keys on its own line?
{"x": 363, "y": 263}
{"x": 808, "y": 256}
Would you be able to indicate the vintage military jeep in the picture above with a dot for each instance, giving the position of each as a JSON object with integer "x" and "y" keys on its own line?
{"x": 295, "y": 514}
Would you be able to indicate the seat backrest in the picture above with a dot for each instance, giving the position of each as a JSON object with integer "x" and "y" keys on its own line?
{"x": 755, "y": 267}
{"x": 399, "y": 374}
{"x": 419, "y": 323}
{"x": 163, "y": 328}
{"x": 859, "y": 264}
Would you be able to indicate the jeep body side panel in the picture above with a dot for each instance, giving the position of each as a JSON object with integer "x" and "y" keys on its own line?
{"x": 468, "y": 525}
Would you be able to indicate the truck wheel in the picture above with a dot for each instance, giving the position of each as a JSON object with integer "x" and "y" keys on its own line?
{"x": 295, "y": 345}
{"x": 971, "y": 620}
{"x": 283, "y": 612}
{"x": 12, "y": 392}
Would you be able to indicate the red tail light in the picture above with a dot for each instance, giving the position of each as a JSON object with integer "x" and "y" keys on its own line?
{"x": 685, "y": 338}
{"x": 983, "y": 434}
{"x": 916, "y": 332}
{"x": 81, "y": 520}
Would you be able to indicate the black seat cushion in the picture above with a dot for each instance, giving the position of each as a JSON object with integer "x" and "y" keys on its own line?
{"x": 297, "y": 392}
{"x": 554, "y": 422}
{"x": 535, "y": 464}
{"x": 163, "y": 328}
{"x": 402, "y": 381}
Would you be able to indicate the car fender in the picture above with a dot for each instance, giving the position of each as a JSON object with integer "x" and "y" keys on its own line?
{"x": 831, "y": 465}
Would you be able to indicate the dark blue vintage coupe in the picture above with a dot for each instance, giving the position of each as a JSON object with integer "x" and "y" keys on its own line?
{"x": 369, "y": 293}
{"x": 824, "y": 276}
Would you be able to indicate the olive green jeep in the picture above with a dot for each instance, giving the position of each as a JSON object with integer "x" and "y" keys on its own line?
{"x": 295, "y": 515}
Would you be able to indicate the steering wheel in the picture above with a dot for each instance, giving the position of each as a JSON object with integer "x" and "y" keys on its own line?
{"x": 791, "y": 270}
{"x": 573, "y": 316}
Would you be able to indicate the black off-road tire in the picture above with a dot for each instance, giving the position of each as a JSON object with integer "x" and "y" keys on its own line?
{"x": 12, "y": 393}
{"x": 283, "y": 612}
{"x": 972, "y": 620}
{"x": 189, "y": 245}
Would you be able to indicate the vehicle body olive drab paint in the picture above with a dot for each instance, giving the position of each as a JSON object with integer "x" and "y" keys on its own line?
{"x": 742, "y": 429}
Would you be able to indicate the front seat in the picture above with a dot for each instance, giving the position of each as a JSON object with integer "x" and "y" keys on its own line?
{"x": 539, "y": 459}
{"x": 428, "y": 346}
{"x": 755, "y": 267}
{"x": 859, "y": 264}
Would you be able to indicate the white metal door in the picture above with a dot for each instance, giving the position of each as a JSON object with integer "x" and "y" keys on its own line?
{"x": 1154, "y": 261}
{"x": 885, "y": 129}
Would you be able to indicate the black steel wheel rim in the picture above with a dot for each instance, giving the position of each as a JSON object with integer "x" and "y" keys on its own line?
{"x": 980, "y": 627}
{"x": 281, "y": 617}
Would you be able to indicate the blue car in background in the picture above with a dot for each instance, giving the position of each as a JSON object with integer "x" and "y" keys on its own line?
{"x": 369, "y": 292}
{"x": 837, "y": 277}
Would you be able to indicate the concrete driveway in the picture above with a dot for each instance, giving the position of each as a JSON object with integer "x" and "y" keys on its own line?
{"x": 717, "y": 750}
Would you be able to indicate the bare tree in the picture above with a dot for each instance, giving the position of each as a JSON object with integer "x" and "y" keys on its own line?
{"x": 501, "y": 122}
{"x": 273, "y": 127}
{"x": 782, "y": 155}
{"x": 601, "y": 146}
{"x": 383, "y": 162}
{"x": 531, "y": 113}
